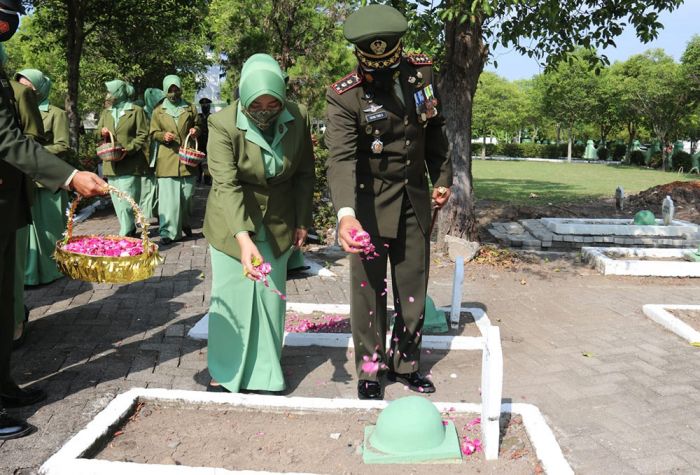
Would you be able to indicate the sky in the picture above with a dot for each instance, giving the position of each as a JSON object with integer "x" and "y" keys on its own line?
{"x": 679, "y": 27}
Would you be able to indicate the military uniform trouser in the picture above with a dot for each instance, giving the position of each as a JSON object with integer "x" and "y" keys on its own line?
{"x": 7, "y": 301}
{"x": 409, "y": 255}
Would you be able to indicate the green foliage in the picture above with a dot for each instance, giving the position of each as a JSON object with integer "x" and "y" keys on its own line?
{"x": 499, "y": 107}
{"x": 682, "y": 161}
{"x": 638, "y": 158}
{"x": 602, "y": 152}
{"x": 619, "y": 151}
{"x": 656, "y": 160}
{"x": 527, "y": 150}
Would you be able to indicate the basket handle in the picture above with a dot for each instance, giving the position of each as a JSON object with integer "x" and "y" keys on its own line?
{"x": 140, "y": 219}
{"x": 111, "y": 138}
{"x": 187, "y": 140}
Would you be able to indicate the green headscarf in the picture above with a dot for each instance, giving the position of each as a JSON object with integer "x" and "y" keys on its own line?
{"x": 130, "y": 91}
{"x": 120, "y": 93}
{"x": 260, "y": 75}
{"x": 152, "y": 96}
{"x": 41, "y": 83}
{"x": 173, "y": 105}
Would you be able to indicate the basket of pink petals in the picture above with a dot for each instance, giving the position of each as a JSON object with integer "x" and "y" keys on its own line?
{"x": 110, "y": 259}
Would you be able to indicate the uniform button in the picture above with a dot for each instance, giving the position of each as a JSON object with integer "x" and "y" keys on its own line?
{"x": 408, "y": 162}
{"x": 362, "y": 186}
{"x": 406, "y": 181}
{"x": 405, "y": 121}
{"x": 408, "y": 142}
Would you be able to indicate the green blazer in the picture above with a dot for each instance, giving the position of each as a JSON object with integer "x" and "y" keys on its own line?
{"x": 167, "y": 163}
{"x": 19, "y": 157}
{"x": 242, "y": 199}
{"x": 56, "y": 130}
{"x": 132, "y": 133}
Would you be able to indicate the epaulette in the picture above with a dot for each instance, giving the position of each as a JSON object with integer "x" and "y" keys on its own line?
{"x": 348, "y": 82}
{"x": 419, "y": 59}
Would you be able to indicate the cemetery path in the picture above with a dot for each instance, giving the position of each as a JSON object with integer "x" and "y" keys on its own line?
{"x": 620, "y": 393}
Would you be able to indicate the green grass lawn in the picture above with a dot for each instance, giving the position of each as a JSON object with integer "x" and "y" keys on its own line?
{"x": 554, "y": 182}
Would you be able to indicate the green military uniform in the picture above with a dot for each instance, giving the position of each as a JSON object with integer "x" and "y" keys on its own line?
{"x": 149, "y": 183}
{"x": 48, "y": 210}
{"x": 20, "y": 158}
{"x": 127, "y": 123}
{"x": 384, "y": 132}
{"x": 262, "y": 184}
{"x": 176, "y": 181}
{"x": 27, "y": 110}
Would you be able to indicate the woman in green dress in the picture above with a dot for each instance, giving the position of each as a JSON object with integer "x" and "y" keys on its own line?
{"x": 173, "y": 119}
{"x": 48, "y": 210}
{"x": 149, "y": 185}
{"x": 259, "y": 208}
{"x": 127, "y": 124}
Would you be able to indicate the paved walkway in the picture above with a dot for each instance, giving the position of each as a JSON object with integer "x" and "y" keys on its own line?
{"x": 620, "y": 392}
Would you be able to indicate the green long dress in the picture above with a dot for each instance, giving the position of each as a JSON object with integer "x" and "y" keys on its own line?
{"x": 270, "y": 175}
{"x": 49, "y": 209}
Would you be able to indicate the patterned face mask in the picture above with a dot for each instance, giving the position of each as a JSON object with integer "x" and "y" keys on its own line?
{"x": 263, "y": 118}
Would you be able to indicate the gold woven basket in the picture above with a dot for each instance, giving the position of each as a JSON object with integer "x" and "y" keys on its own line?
{"x": 108, "y": 269}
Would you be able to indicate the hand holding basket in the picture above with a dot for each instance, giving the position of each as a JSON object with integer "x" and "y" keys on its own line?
{"x": 191, "y": 156}
{"x": 110, "y": 151}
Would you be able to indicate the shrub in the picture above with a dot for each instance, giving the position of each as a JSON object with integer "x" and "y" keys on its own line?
{"x": 490, "y": 149}
{"x": 682, "y": 160}
{"x": 602, "y": 153}
{"x": 637, "y": 157}
{"x": 324, "y": 213}
{"x": 511, "y": 150}
{"x": 619, "y": 151}
{"x": 655, "y": 161}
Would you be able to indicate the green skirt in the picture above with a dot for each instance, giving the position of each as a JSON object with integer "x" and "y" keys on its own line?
{"x": 48, "y": 224}
{"x": 246, "y": 324}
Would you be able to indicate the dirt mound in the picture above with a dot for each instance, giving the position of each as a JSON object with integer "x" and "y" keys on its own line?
{"x": 685, "y": 196}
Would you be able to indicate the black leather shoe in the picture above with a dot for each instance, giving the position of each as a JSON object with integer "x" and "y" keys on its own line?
{"x": 22, "y": 397}
{"x": 415, "y": 381}
{"x": 187, "y": 231}
{"x": 11, "y": 428}
{"x": 216, "y": 388}
{"x": 133, "y": 233}
{"x": 369, "y": 390}
{"x": 165, "y": 241}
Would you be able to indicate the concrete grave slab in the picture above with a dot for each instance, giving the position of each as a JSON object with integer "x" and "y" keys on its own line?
{"x": 640, "y": 261}
{"x": 619, "y": 227}
{"x": 660, "y": 314}
{"x": 68, "y": 461}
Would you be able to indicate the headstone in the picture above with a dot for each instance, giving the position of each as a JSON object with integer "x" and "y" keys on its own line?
{"x": 456, "y": 310}
{"x": 667, "y": 210}
{"x": 619, "y": 198}
{"x": 590, "y": 153}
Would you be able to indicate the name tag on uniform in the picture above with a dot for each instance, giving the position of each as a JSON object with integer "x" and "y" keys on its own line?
{"x": 376, "y": 116}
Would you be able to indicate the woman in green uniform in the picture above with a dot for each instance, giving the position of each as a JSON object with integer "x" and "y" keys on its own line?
{"x": 259, "y": 207}
{"x": 48, "y": 210}
{"x": 173, "y": 119}
{"x": 127, "y": 123}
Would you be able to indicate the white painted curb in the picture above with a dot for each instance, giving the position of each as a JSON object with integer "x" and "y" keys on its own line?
{"x": 660, "y": 314}
{"x": 607, "y": 266}
{"x": 67, "y": 460}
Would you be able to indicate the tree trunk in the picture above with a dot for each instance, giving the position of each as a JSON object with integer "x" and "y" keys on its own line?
{"x": 632, "y": 132}
{"x": 465, "y": 57}
{"x": 74, "y": 51}
{"x": 483, "y": 149}
{"x": 558, "y": 134}
{"x": 570, "y": 147}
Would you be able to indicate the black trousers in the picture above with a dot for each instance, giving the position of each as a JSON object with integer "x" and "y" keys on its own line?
{"x": 409, "y": 256}
{"x": 7, "y": 302}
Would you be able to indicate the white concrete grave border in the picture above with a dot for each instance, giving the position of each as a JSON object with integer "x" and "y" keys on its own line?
{"x": 68, "y": 461}
{"x": 660, "y": 314}
{"x": 608, "y": 266}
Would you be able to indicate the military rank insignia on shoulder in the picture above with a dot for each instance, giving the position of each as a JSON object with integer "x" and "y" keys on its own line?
{"x": 348, "y": 82}
{"x": 419, "y": 59}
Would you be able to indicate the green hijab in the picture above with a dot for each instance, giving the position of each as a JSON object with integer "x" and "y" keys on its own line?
{"x": 42, "y": 85}
{"x": 152, "y": 97}
{"x": 261, "y": 75}
{"x": 119, "y": 90}
{"x": 174, "y": 109}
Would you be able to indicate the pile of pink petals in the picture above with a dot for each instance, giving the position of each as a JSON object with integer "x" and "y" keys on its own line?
{"x": 329, "y": 324}
{"x": 368, "y": 250}
{"x": 97, "y": 246}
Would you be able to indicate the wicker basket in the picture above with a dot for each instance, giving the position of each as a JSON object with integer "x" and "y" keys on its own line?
{"x": 113, "y": 270}
{"x": 191, "y": 156}
{"x": 110, "y": 151}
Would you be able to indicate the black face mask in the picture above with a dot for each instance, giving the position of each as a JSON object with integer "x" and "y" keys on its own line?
{"x": 9, "y": 22}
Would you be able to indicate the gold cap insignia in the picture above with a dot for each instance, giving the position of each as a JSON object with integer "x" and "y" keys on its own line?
{"x": 378, "y": 46}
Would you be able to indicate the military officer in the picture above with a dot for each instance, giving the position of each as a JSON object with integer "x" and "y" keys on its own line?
{"x": 385, "y": 130}
{"x": 21, "y": 157}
